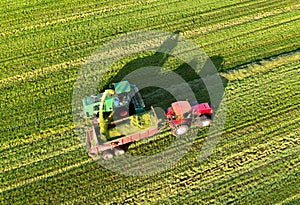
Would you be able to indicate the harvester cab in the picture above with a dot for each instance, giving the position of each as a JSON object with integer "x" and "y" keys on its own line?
{"x": 126, "y": 100}
{"x": 91, "y": 105}
{"x": 123, "y": 100}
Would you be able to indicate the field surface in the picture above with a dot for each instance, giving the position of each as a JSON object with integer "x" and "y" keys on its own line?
{"x": 254, "y": 45}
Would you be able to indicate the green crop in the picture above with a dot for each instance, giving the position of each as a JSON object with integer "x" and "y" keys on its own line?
{"x": 43, "y": 46}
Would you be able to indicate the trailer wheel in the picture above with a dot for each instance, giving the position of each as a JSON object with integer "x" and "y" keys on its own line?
{"x": 118, "y": 151}
{"x": 180, "y": 130}
{"x": 107, "y": 155}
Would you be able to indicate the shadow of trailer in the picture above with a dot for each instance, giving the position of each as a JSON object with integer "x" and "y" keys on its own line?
{"x": 113, "y": 146}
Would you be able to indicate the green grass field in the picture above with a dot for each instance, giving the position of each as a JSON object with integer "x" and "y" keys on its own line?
{"x": 255, "y": 46}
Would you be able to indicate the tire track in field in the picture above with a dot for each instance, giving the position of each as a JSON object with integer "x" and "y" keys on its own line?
{"x": 261, "y": 53}
{"x": 261, "y": 100}
{"x": 244, "y": 138}
{"x": 94, "y": 185}
{"x": 283, "y": 63}
{"x": 266, "y": 39}
{"x": 81, "y": 7}
{"x": 239, "y": 90}
{"x": 153, "y": 27}
{"x": 284, "y": 125}
{"x": 39, "y": 114}
{"x": 277, "y": 179}
{"x": 253, "y": 180}
{"x": 47, "y": 105}
{"x": 33, "y": 124}
{"x": 134, "y": 9}
{"x": 243, "y": 20}
{"x": 289, "y": 200}
{"x": 40, "y": 111}
{"x": 59, "y": 91}
{"x": 248, "y": 32}
{"x": 277, "y": 90}
{"x": 81, "y": 15}
{"x": 74, "y": 176}
{"x": 12, "y": 78}
{"x": 38, "y": 52}
{"x": 263, "y": 35}
{"x": 260, "y": 40}
{"x": 79, "y": 22}
{"x": 46, "y": 91}
{"x": 89, "y": 11}
{"x": 254, "y": 51}
{"x": 30, "y": 151}
{"x": 65, "y": 159}
{"x": 36, "y": 137}
{"x": 188, "y": 20}
{"x": 22, "y": 135}
{"x": 214, "y": 21}
{"x": 165, "y": 177}
{"x": 288, "y": 107}
{"x": 64, "y": 150}
{"x": 47, "y": 175}
{"x": 42, "y": 71}
{"x": 52, "y": 11}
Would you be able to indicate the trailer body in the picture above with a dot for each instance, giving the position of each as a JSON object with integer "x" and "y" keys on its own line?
{"x": 131, "y": 134}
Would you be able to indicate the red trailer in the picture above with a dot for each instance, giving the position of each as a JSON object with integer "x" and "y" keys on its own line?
{"x": 112, "y": 146}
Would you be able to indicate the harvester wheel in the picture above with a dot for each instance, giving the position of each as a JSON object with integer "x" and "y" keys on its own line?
{"x": 180, "y": 130}
{"x": 118, "y": 151}
{"x": 121, "y": 112}
{"x": 124, "y": 113}
{"x": 107, "y": 155}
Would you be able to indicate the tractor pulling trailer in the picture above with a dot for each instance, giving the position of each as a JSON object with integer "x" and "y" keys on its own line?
{"x": 118, "y": 117}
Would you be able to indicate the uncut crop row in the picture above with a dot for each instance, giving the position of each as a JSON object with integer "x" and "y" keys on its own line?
{"x": 223, "y": 31}
{"x": 48, "y": 99}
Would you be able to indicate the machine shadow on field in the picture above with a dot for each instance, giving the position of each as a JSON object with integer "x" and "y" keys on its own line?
{"x": 158, "y": 97}
{"x": 165, "y": 63}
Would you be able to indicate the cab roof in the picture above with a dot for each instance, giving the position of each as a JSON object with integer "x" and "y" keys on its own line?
{"x": 122, "y": 87}
{"x": 181, "y": 107}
